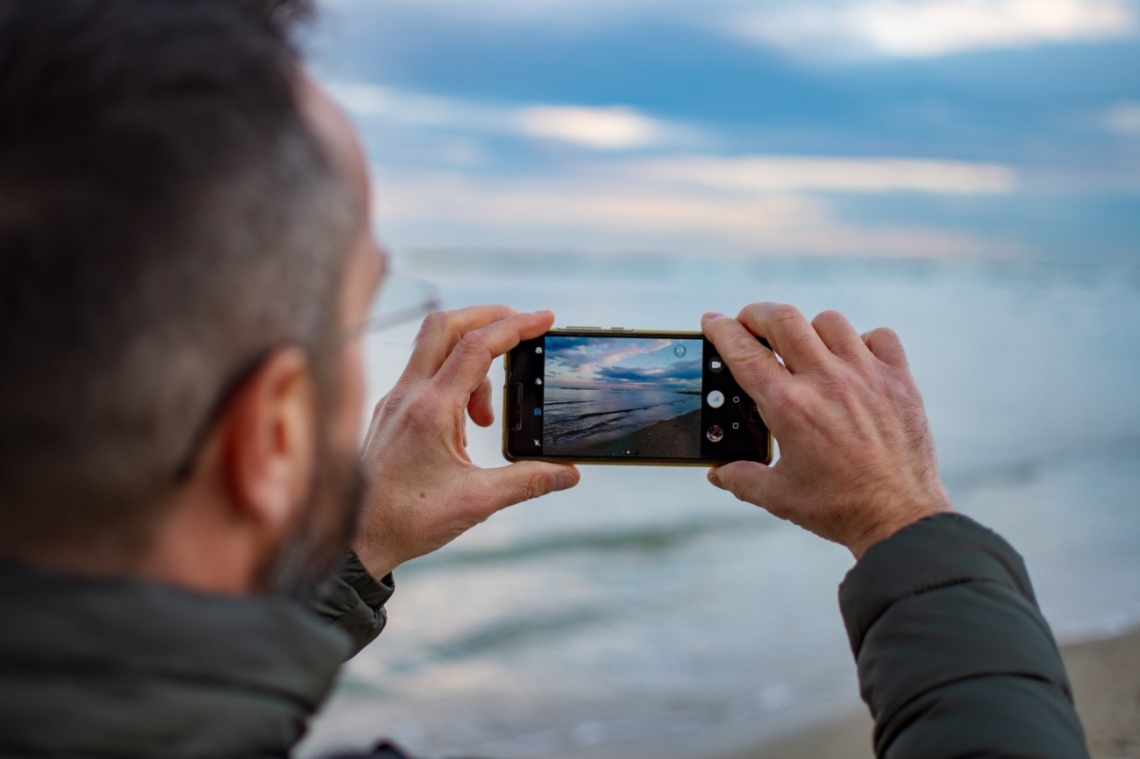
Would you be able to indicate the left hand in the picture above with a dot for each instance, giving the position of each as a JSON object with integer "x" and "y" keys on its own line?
{"x": 857, "y": 460}
{"x": 423, "y": 489}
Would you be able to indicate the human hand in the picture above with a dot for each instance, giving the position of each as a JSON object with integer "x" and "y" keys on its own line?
{"x": 857, "y": 460}
{"x": 423, "y": 490}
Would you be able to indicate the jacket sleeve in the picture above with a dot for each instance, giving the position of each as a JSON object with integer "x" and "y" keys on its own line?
{"x": 955, "y": 659}
{"x": 353, "y": 600}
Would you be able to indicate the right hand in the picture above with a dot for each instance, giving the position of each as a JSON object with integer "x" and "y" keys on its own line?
{"x": 857, "y": 460}
{"x": 423, "y": 489}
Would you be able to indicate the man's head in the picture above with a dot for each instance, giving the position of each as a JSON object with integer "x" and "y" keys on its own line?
{"x": 183, "y": 228}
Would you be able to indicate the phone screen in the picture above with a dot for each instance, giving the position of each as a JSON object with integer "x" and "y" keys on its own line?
{"x": 642, "y": 398}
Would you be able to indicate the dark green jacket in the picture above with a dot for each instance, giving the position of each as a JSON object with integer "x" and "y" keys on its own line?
{"x": 954, "y": 658}
{"x": 121, "y": 668}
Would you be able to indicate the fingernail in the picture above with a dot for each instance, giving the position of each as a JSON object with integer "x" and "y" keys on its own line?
{"x": 711, "y": 315}
{"x": 565, "y": 481}
{"x": 542, "y": 312}
{"x": 714, "y": 479}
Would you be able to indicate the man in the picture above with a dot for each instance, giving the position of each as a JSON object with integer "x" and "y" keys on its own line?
{"x": 185, "y": 261}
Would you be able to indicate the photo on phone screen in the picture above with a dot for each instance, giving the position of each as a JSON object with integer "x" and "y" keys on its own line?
{"x": 627, "y": 398}
{"x": 611, "y": 396}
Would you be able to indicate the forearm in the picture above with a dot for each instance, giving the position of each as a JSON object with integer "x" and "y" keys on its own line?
{"x": 954, "y": 657}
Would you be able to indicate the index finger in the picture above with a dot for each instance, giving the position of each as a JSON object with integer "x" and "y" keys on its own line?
{"x": 441, "y": 331}
{"x": 789, "y": 333}
{"x": 752, "y": 365}
{"x": 465, "y": 368}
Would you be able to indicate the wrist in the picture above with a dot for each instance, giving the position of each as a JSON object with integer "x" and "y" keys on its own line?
{"x": 899, "y": 519}
{"x": 378, "y": 561}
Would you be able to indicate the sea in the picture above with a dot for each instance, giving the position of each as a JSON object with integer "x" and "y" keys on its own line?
{"x": 646, "y": 613}
{"x": 580, "y": 416}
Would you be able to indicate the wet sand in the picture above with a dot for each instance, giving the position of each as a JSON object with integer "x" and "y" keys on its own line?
{"x": 1106, "y": 684}
{"x": 679, "y": 437}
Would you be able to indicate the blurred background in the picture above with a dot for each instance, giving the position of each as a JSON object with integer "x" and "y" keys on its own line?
{"x": 965, "y": 171}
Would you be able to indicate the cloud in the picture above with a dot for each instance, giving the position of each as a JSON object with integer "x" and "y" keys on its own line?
{"x": 680, "y": 373}
{"x": 584, "y": 355}
{"x": 603, "y": 128}
{"x": 1124, "y": 119}
{"x": 817, "y": 28}
{"x": 930, "y": 28}
{"x": 861, "y": 175}
{"x": 599, "y": 128}
{"x": 610, "y": 212}
{"x": 629, "y": 362}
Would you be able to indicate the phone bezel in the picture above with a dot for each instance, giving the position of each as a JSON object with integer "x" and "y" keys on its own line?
{"x": 766, "y": 452}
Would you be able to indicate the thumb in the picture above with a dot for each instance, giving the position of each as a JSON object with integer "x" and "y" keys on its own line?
{"x": 747, "y": 480}
{"x": 507, "y": 485}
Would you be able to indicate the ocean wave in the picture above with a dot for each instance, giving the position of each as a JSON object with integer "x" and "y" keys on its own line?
{"x": 639, "y": 539}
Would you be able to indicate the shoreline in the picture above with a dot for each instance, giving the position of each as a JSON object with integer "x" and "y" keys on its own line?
{"x": 668, "y": 438}
{"x": 1105, "y": 675}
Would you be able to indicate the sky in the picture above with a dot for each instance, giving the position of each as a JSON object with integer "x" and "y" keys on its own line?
{"x": 623, "y": 363}
{"x": 869, "y": 128}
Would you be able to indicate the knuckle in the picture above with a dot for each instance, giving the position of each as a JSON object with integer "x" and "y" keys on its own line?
{"x": 421, "y": 407}
{"x": 381, "y": 405}
{"x": 471, "y": 344}
{"x": 391, "y": 403}
{"x": 745, "y": 347}
{"x": 782, "y": 313}
{"x": 793, "y": 402}
{"x": 829, "y": 318}
{"x": 436, "y": 321}
{"x": 534, "y": 486}
{"x": 883, "y": 335}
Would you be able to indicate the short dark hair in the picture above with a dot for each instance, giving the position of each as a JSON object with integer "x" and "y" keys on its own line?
{"x": 165, "y": 213}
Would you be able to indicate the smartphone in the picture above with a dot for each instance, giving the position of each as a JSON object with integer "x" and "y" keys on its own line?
{"x": 621, "y": 396}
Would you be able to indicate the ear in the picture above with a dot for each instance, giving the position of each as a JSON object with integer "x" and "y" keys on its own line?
{"x": 269, "y": 442}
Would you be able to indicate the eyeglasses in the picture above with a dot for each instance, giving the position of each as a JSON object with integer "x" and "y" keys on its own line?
{"x": 403, "y": 298}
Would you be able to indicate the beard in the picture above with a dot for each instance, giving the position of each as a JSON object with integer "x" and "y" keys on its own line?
{"x": 316, "y": 543}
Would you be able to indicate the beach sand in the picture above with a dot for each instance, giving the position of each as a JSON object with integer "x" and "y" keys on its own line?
{"x": 1106, "y": 684}
{"x": 679, "y": 437}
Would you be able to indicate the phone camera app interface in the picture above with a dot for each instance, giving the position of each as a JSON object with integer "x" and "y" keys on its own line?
{"x": 622, "y": 397}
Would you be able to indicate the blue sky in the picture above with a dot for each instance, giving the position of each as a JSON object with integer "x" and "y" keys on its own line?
{"x": 623, "y": 363}
{"x": 884, "y": 128}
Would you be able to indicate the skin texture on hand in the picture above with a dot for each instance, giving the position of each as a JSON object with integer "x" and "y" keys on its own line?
{"x": 423, "y": 490}
{"x": 857, "y": 460}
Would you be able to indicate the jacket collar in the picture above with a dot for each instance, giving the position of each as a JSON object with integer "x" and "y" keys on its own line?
{"x": 123, "y": 668}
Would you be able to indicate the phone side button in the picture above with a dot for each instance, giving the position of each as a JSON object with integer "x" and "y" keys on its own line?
{"x": 577, "y": 327}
